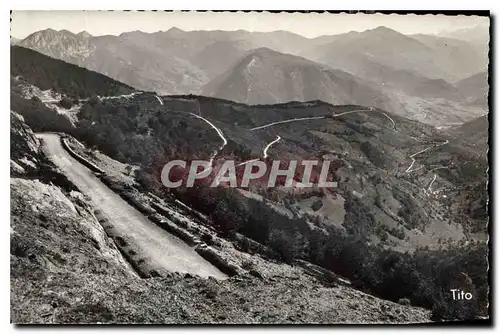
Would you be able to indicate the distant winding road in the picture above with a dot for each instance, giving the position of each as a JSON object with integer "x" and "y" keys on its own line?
{"x": 409, "y": 169}
{"x": 219, "y": 131}
{"x": 278, "y": 138}
{"x": 323, "y": 117}
{"x": 286, "y": 121}
{"x": 264, "y": 152}
{"x": 162, "y": 249}
{"x": 159, "y": 99}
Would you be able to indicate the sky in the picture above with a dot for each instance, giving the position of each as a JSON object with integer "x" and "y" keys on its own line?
{"x": 309, "y": 25}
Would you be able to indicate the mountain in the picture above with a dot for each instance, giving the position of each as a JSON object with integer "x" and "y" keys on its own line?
{"x": 56, "y": 232}
{"x": 478, "y": 34}
{"x": 459, "y": 57}
{"x": 475, "y": 89}
{"x": 401, "y": 81}
{"x": 281, "y": 41}
{"x": 62, "y": 45}
{"x": 169, "y": 62}
{"x": 416, "y": 72}
{"x": 421, "y": 54}
{"x": 265, "y": 76}
{"x": 181, "y": 62}
{"x": 138, "y": 59}
{"x": 215, "y": 58}
{"x": 381, "y": 45}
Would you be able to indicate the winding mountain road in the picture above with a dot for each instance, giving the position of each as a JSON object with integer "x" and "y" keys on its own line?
{"x": 221, "y": 135}
{"x": 429, "y": 189}
{"x": 323, "y": 117}
{"x": 264, "y": 152}
{"x": 409, "y": 169}
{"x": 124, "y": 96}
{"x": 219, "y": 131}
{"x": 278, "y": 138}
{"x": 161, "y": 249}
{"x": 286, "y": 121}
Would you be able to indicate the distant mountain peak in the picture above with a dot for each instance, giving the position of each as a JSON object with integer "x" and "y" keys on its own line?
{"x": 48, "y": 30}
{"x": 66, "y": 32}
{"x": 384, "y": 30}
{"x": 175, "y": 30}
{"x": 265, "y": 51}
{"x": 84, "y": 34}
{"x": 49, "y": 33}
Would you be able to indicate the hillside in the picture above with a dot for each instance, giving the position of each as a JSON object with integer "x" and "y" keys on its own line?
{"x": 48, "y": 73}
{"x": 383, "y": 200}
{"x": 474, "y": 133}
{"x": 413, "y": 76}
{"x": 475, "y": 89}
{"x": 460, "y": 58}
{"x": 66, "y": 269}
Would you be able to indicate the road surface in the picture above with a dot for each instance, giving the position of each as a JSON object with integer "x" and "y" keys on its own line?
{"x": 159, "y": 99}
{"x": 161, "y": 249}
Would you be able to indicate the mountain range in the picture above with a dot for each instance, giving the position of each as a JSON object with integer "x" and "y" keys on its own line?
{"x": 415, "y": 76}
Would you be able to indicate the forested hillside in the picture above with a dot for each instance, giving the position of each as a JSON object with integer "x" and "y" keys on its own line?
{"x": 74, "y": 81}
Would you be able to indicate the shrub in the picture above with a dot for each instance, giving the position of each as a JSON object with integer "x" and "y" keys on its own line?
{"x": 404, "y": 301}
{"x": 284, "y": 245}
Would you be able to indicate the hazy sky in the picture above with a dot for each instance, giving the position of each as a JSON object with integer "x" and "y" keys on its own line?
{"x": 309, "y": 25}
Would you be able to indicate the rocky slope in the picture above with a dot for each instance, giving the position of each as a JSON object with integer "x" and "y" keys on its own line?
{"x": 61, "y": 45}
